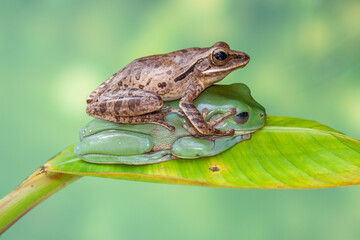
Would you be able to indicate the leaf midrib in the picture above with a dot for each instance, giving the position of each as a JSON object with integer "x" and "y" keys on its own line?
{"x": 302, "y": 129}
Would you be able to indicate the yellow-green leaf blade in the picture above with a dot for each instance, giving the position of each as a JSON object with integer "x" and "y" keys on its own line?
{"x": 286, "y": 153}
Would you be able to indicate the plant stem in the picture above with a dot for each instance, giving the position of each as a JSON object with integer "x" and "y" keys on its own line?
{"x": 36, "y": 188}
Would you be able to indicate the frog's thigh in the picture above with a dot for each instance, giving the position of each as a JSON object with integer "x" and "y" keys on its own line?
{"x": 192, "y": 147}
{"x": 126, "y": 103}
{"x": 114, "y": 142}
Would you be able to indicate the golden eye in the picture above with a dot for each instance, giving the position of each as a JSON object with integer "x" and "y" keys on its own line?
{"x": 219, "y": 57}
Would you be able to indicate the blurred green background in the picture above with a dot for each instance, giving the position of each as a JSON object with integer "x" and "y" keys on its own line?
{"x": 305, "y": 62}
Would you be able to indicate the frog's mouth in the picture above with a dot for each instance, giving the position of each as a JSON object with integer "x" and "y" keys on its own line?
{"x": 243, "y": 132}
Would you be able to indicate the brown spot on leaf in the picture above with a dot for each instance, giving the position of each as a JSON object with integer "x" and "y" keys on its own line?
{"x": 214, "y": 168}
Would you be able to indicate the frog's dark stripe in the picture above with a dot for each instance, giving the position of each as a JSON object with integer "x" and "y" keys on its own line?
{"x": 187, "y": 72}
{"x": 198, "y": 120}
{"x": 187, "y": 105}
{"x": 193, "y": 114}
{"x": 238, "y": 56}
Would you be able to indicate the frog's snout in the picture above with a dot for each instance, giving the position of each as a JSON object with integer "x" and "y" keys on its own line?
{"x": 242, "y": 59}
{"x": 245, "y": 58}
{"x": 263, "y": 114}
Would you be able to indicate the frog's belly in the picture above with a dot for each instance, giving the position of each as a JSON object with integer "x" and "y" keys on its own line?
{"x": 172, "y": 96}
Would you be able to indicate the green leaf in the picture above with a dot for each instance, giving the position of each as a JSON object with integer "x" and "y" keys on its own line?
{"x": 286, "y": 153}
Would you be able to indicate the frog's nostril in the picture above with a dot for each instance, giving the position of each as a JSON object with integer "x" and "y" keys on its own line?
{"x": 262, "y": 114}
{"x": 244, "y": 58}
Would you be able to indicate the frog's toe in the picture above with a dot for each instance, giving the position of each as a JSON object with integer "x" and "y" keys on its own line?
{"x": 246, "y": 136}
{"x": 166, "y": 107}
{"x": 171, "y": 128}
{"x": 229, "y": 132}
{"x": 165, "y": 125}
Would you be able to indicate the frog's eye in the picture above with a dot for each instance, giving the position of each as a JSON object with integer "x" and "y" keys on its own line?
{"x": 219, "y": 57}
{"x": 241, "y": 118}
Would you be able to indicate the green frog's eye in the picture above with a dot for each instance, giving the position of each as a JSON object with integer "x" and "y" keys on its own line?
{"x": 219, "y": 57}
{"x": 241, "y": 118}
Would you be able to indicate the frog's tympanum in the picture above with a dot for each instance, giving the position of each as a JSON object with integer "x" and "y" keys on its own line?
{"x": 136, "y": 93}
{"x": 107, "y": 142}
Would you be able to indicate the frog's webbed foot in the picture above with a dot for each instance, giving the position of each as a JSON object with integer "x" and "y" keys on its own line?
{"x": 163, "y": 123}
{"x": 158, "y": 118}
{"x": 205, "y": 112}
{"x": 188, "y": 128}
{"x": 166, "y": 107}
{"x": 214, "y": 122}
{"x": 229, "y": 132}
{"x": 178, "y": 111}
{"x": 196, "y": 119}
{"x": 170, "y": 110}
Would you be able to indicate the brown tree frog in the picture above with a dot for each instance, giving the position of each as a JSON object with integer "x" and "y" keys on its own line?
{"x": 136, "y": 93}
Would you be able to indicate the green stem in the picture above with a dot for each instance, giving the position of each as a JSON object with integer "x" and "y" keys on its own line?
{"x": 36, "y": 188}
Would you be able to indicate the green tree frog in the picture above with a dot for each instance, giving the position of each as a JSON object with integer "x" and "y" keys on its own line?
{"x": 106, "y": 142}
{"x": 136, "y": 93}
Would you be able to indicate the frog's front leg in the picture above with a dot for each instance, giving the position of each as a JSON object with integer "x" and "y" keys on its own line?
{"x": 195, "y": 118}
{"x": 214, "y": 122}
{"x": 130, "y": 106}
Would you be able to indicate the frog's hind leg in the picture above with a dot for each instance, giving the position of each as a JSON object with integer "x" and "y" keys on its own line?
{"x": 130, "y": 106}
{"x": 155, "y": 118}
{"x": 125, "y": 103}
{"x": 100, "y": 89}
{"x": 140, "y": 159}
